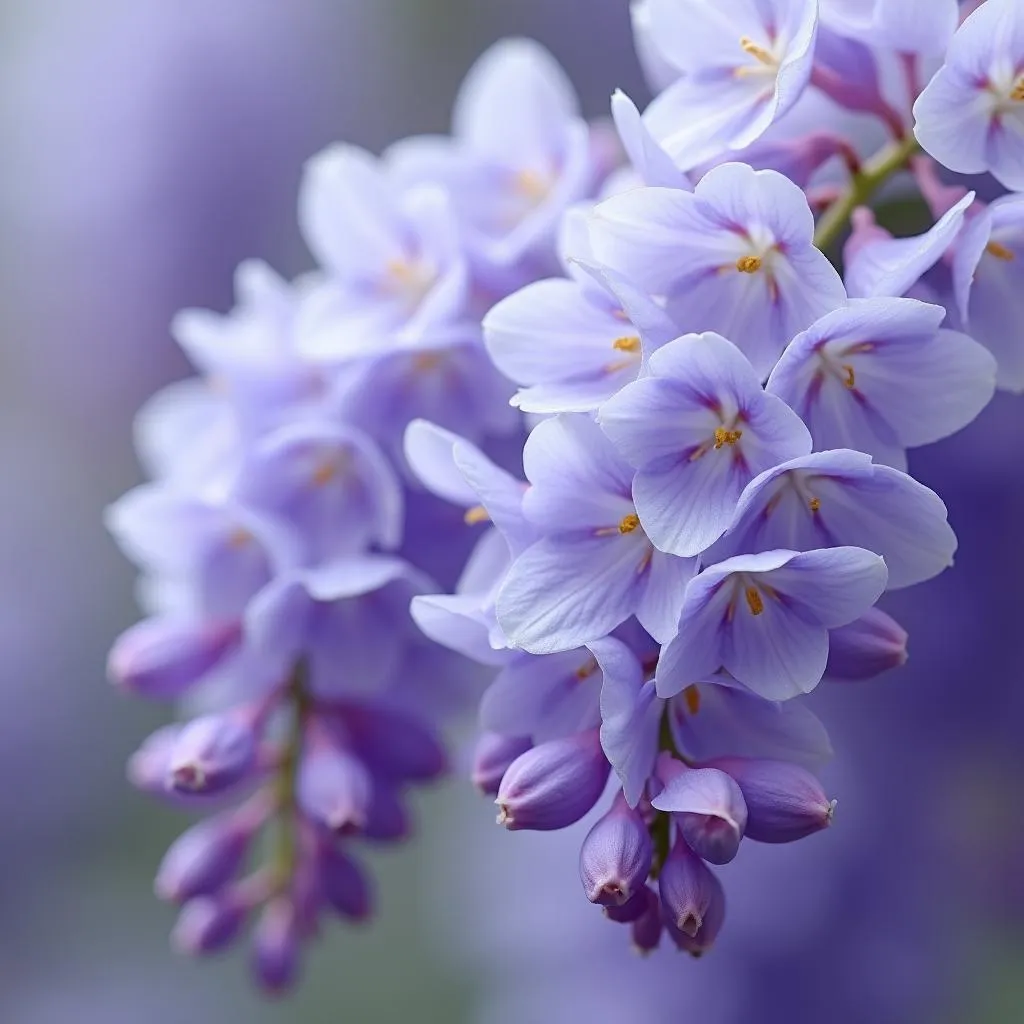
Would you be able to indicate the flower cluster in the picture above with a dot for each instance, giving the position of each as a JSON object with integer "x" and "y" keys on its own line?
{"x": 281, "y": 539}
{"x": 716, "y": 492}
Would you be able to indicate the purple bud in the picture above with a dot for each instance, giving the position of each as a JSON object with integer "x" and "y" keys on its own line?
{"x": 208, "y": 924}
{"x": 275, "y": 946}
{"x": 698, "y": 942}
{"x": 688, "y": 889}
{"x": 709, "y": 810}
{"x": 335, "y": 788}
{"x": 394, "y": 742}
{"x": 204, "y": 858}
{"x": 148, "y": 766}
{"x": 632, "y": 910}
{"x": 492, "y": 757}
{"x": 867, "y": 647}
{"x": 211, "y": 754}
{"x": 554, "y": 784}
{"x": 387, "y": 817}
{"x": 344, "y": 884}
{"x": 785, "y": 802}
{"x": 615, "y": 858}
{"x": 646, "y": 929}
{"x": 163, "y": 658}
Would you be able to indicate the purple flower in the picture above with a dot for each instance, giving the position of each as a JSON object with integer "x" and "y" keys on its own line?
{"x": 878, "y": 264}
{"x": 988, "y": 259}
{"x": 276, "y": 943}
{"x": 698, "y": 428}
{"x": 491, "y": 759}
{"x": 909, "y": 26}
{"x": 970, "y": 116}
{"x": 841, "y": 497}
{"x": 690, "y": 892}
{"x": 519, "y": 157}
{"x": 765, "y": 618}
{"x": 708, "y": 809}
{"x": 394, "y": 266}
{"x": 735, "y": 257}
{"x": 743, "y": 64}
{"x": 594, "y": 566}
{"x": 650, "y": 163}
{"x": 211, "y": 754}
{"x": 881, "y": 376}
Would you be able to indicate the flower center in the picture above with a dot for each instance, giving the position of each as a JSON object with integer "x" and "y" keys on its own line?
{"x": 1017, "y": 92}
{"x": 630, "y": 343}
{"x": 754, "y": 600}
{"x": 765, "y": 62}
{"x": 749, "y": 264}
{"x": 629, "y": 523}
{"x": 692, "y": 697}
{"x": 476, "y": 514}
{"x": 726, "y": 437}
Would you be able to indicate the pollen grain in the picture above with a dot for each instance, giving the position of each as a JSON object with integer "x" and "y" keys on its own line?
{"x": 749, "y": 264}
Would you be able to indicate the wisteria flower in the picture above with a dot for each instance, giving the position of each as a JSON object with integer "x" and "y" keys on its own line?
{"x": 698, "y": 428}
{"x": 909, "y": 26}
{"x": 765, "y": 618}
{"x": 735, "y": 257}
{"x": 393, "y": 259}
{"x": 878, "y": 264}
{"x": 970, "y": 116}
{"x": 988, "y": 275}
{"x": 594, "y": 566}
{"x": 881, "y": 376}
{"x": 843, "y": 498}
{"x": 573, "y": 342}
{"x": 520, "y": 155}
{"x": 650, "y": 164}
{"x": 743, "y": 64}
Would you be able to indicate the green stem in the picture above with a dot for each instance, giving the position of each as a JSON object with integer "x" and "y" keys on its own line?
{"x": 872, "y": 176}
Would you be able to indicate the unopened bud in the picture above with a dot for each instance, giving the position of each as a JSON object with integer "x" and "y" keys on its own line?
{"x": 204, "y": 858}
{"x": 553, "y": 785}
{"x": 615, "y": 858}
{"x": 211, "y": 754}
{"x": 275, "y": 946}
{"x": 785, "y": 802}
{"x": 208, "y": 924}
{"x": 335, "y": 788}
{"x": 690, "y": 893}
{"x": 867, "y": 647}
{"x": 492, "y": 757}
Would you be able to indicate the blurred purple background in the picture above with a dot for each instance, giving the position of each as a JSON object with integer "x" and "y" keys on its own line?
{"x": 151, "y": 145}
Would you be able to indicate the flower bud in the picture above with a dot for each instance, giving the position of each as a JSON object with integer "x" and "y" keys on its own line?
{"x": 785, "y": 802}
{"x": 335, "y": 788}
{"x": 615, "y": 858}
{"x": 275, "y": 946}
{"x": 698, "y": 942}
{"x": 203, "y": 859}
{"x": 395, "y": 742}
{"x": 867, "y": 647}
{"x": 387, "y": 817}
{"x": 344, "y": 884}
{"x": 554, "y": 784}
{"x": 148, "y": 766}
{"x": 688, "y": 890}
{"x": 632, "y": 910}
{"x": 211, "y": 754}
{"x": 163, "y": 658}
{"x": 208, "y": 924}
{"x": 646, "y": 929}
{"x": 709, "y": 811}
{"x": 491, "y": 758}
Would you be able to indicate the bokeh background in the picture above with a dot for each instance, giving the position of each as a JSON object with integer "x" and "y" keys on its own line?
{"x": 149, "y": 146}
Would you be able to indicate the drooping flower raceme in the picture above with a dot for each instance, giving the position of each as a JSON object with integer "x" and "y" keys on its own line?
{"x": 714, "y": 492}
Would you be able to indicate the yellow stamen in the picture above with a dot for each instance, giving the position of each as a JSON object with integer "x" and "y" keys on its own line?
{"x": 240, "y": 537}
{"x": 758, "y": 52}
{"x": 749, "y": 264}
{"x": 532, "y": 185}
{"x": 692, "y": 697}
{"x": 815, "y": 504}
{"x": 476, "y": 514}
{"x": 325, "y": 473}
{"x": 754, "y": 601}
{"x": 849, "y": 377}
{"x": 629, "y": 523}
{"x": 729, "y": 437}
{"x": 1017, "y": 94}
{"x": 1000, "y": 252}
{"x": 586, "y": 670}
{"x": 627, "y": 344}
{"x": 426, "y": 361}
